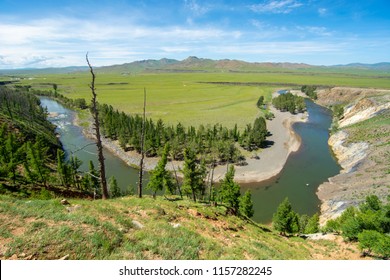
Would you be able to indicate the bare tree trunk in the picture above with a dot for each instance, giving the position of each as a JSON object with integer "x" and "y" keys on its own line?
{"x": 95, "y": 115}
{"x": 211, "y": 181}
{"x": 141, "y": 163}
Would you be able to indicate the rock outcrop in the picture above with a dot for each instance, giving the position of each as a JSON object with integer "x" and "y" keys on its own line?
{"x": 348, "y": 155}
{"x": 364, "y": 162}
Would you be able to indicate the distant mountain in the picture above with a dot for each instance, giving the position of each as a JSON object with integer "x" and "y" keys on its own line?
{"x": 138, "y": 66}
{"x": 375, "y": 66}
{"x": 195, "y": 64}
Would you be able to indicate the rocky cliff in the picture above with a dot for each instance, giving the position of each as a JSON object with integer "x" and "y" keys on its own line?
{"x": 361, "y": 146}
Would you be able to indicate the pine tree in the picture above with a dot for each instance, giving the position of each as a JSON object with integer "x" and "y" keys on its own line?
{"x": 260, "y": 102}
{"x": 115, "y": 191}
{"x": 285, "y": 220}
{"x": 160, "y": 177}
{"x": 74, "y": 166}
{"x": 246, "y": 205}
{"x": 313, "y": 224}
{"x": 36, "y": 164}
{"x": 229, "y": 191}
{"x": 93, "y": 176}
{"x": 12, "y": 152}
{"x": 194, "y": 175}
{"x": 61, "y": 167}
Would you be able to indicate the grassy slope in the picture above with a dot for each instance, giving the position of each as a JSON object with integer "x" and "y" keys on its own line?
{"x": 44, "y": 229}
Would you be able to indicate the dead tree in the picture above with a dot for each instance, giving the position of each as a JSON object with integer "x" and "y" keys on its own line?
{"x": 99, "y": 145}
{"x": 141, "y": 163}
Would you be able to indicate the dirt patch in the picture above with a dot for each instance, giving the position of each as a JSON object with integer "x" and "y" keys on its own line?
{"x": 335, "y": 249}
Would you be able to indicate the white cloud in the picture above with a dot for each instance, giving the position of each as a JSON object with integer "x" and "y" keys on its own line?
{"x": 276, "y": 6}
{"x": 44, "y": 42}
{"x": 322, "y": 11}
{"x": 314, "y": 30}
{"x": 195, "y": 8}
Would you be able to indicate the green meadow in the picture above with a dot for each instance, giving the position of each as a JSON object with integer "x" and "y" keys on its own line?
{"x": 198, "y": 98}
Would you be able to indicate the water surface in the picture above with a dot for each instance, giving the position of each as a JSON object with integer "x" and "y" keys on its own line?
{"x": 304, "y": 171}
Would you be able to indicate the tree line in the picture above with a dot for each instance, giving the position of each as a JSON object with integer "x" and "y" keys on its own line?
{"x": 215, "y": 141}
{"x": 289, "y": 102}
{"x": 310, "y": 91}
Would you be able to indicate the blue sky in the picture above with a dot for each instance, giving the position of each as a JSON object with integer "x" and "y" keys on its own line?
{"x": 318, "y": 32}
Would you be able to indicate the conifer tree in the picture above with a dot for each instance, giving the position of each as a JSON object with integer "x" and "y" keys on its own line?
{"x": 62, "y": 168}
{"x": 246, "y": 205}
{"x": 74, "y": 166}
{"x": 12, "y": 156}
{"x": 194, "y": 174}
{"x": 36, "y": 164}
{"x": 93, "y": 176}
{"x": 115, "y": 191}
{"x": 160, "y": 177}
{"x": 229, "y": 191}
{"x": 285, "y": 220}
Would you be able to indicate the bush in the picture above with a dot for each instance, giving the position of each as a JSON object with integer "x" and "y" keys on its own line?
{"x": 350, "y": 229}
{"x": 374, "y": 242}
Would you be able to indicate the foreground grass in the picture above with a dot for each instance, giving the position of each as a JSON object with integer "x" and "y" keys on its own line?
{"x": 131, "y": 228}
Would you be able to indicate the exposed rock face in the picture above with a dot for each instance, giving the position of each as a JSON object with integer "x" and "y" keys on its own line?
{"x": 348, "y": 156}
{"x": 364, "y": 109}
{"x": 365, "y": 163}
{"x": 345, "y": 95}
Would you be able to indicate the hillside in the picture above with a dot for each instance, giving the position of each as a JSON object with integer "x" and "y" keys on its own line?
{"x": 195, "y": 64}
{"x": 360, "y": 142}
{"x": 132, "y": 228}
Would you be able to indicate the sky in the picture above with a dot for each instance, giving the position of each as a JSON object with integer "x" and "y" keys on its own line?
{"x": 39, "y": 34}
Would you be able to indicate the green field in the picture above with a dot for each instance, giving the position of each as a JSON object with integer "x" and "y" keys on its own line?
{"x": 197, "y": 98}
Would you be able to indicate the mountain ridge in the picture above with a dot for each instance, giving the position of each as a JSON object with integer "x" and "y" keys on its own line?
{"x": 195, "y": 64}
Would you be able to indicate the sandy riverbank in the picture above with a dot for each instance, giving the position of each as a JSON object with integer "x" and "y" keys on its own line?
{"x": 271, "y": 162}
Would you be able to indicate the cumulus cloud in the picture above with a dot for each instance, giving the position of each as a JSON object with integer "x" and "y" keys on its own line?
{"x": 276, "y": 6}
{"x": 42, "y": 43}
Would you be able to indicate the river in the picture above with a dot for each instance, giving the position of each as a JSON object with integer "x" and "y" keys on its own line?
{"x": 304, "y": 171}
{"x": 75, "y": 143}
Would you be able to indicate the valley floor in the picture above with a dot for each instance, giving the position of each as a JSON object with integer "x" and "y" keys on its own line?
{"x": 269, "y": 164}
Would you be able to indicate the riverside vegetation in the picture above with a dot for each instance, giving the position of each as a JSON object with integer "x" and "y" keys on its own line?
{"x": 110, "y": 229}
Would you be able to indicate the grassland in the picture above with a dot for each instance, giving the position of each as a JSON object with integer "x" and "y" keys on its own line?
{"x": 132, "y": 228}
{"x": 197, "y": 98}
